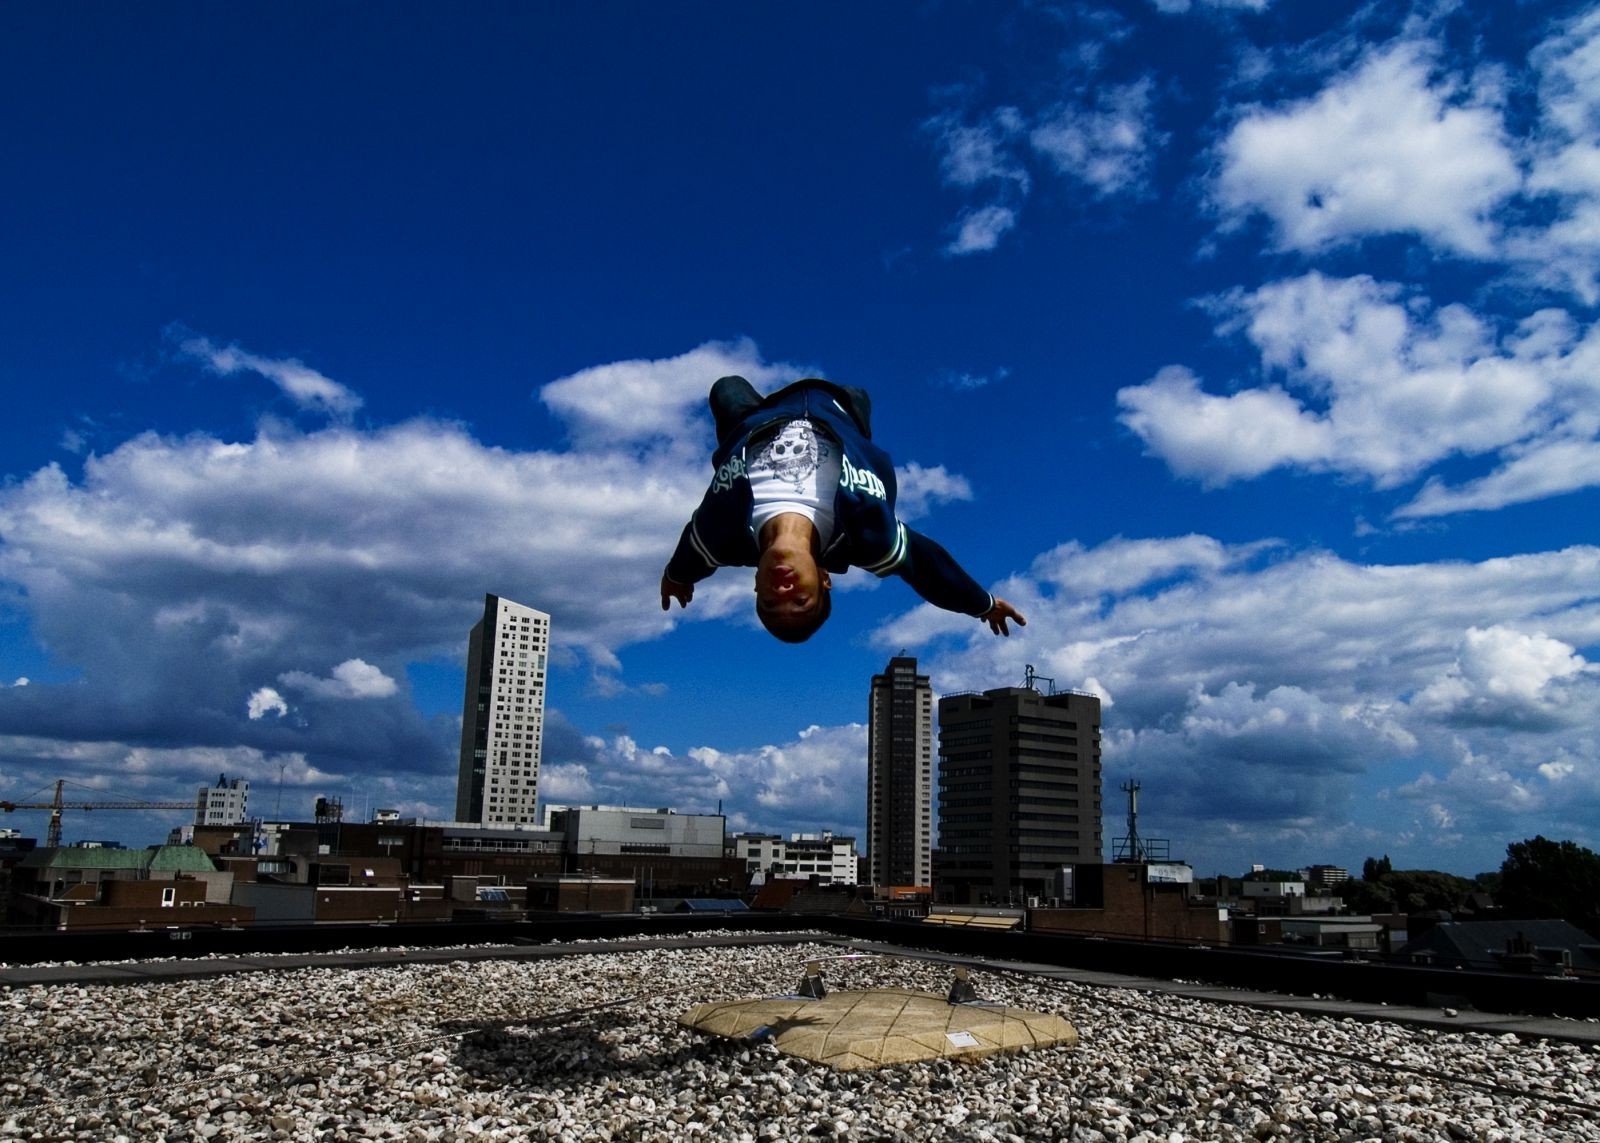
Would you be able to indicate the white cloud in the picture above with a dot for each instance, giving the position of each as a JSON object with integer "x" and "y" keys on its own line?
{"x": 1219, "y": 439}
{"x": 22, "y": 681}
{"x": 1259, "y": 687}
{"x": 1174, "y": 7}
{"x": 1384, "y": 387}
{"x": 1502, "y": 676}
{"x": 351, "y": 679}
{"x": 266, "y": 701}
{"x": 921, "y": 488}
{"x": 1387, "y": 148}
{"x": 1096, "y": 135}
{"x": 302, "y": 384}
{"x": 566, "y": 783}
{"x": 960, "y": 380}
{"x": 1564, "y": 162}
{"x": 1541, "y": 470}
{"x": 971, "y": 155}
{"x": 663, "y": 401}
{"x": 981, "y": 229}
{"x": 1107, "y": 143}
{"x": 182, "y": 573}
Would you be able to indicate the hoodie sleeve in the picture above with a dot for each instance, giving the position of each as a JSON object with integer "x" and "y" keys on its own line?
{"x": 690, "y": 563}
{"x": 934, "y": 574}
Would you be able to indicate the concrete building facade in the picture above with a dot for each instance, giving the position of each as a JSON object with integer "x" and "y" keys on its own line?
{"x": 830, "y": 858}
{"x": 1019, "y": 792}
{"x": 223, "y": 804}
{"x": 502, "y": 716}
{"x": 900, "y": 776}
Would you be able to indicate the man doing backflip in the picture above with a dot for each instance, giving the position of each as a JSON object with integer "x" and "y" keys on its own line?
{"x": 798, "y": 492}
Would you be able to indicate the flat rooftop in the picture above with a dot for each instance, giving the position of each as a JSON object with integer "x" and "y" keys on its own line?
{"x": 583, "y": 1042}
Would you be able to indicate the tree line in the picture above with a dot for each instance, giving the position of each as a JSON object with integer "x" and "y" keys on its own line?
{"x": 1539, "y": 879}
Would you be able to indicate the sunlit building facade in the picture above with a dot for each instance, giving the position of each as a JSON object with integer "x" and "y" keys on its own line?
{"x": 502, "y": 717}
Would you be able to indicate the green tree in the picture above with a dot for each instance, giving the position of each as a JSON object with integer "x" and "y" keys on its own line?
{"x": 1425, "y": 890}
{"x": 1375, "y": 869}
{"x": 1363, "y": 896}
{"x": 1543, "y": 878}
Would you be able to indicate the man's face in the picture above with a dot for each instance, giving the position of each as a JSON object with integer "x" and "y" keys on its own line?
{"x": 789, "y": 587}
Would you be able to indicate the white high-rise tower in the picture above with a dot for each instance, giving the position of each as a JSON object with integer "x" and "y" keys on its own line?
{"x": 502, "y": 717}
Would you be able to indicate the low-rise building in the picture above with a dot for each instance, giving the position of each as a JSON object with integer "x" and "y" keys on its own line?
{"x": 1131, "y": 899}
{"x": 829, "y": 858}
{"x": 110, "y": 887}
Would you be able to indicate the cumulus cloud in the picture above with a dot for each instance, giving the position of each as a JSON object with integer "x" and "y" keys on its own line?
{"x": 215, "y": 591}
{"x": 1217, "y": 439}
{"x": 1390, "y": 147}
{"x": 1254, "y": 685}
{"x": 300, "y": 383}
{"x": 1383, "y": 386}
{"x": 921, "y": 488}
{"x": 265, "y": 701}
{"x": 629, "y": 403}
{"x": 1502, "y": 676}
{"x": 351, "y": 679}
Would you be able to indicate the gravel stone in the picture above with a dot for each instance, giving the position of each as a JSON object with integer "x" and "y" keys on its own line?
{"x": 514, "y": 1049}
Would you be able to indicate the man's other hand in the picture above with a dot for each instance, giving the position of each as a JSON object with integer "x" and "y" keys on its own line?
{"x": 682, "y": 592}
{"x": 996, "y": 617}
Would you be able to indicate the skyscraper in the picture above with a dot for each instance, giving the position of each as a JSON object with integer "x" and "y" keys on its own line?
{"x": 502, "y": 716}
{"x": 900, "y": 776}
{"x": 1019, "y": 791}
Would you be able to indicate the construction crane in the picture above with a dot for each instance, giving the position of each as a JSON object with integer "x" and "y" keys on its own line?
{"x": 57, "y": 804}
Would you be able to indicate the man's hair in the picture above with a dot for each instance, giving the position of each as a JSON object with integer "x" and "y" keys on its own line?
{"x": 800, "y": 628}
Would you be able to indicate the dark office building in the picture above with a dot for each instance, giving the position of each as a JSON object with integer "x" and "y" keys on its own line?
{"x": 1019, "y": 792}
{"x": 900, "y": 776}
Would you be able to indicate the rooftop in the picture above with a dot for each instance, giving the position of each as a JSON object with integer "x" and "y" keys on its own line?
{"x": 582, "y": 1041}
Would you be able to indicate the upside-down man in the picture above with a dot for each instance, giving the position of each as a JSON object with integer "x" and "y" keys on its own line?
{"x": 800, "y": 492}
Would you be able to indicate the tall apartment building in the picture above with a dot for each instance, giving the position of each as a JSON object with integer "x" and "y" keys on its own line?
{"x": 502, "y": 716}
{"x": 222, "y": 804}
{"x": 1019, "y": 792}
{"x": 900, "y": 776}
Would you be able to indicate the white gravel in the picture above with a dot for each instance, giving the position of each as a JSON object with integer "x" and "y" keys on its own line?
{"x": 435, "y": 1052}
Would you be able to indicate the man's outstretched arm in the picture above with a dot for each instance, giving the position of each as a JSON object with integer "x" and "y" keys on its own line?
{"x": 687, "y": 567}
{"x": 934, "y": 574}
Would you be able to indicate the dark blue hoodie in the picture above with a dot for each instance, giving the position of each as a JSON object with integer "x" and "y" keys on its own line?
{"x": 866, "y": 532}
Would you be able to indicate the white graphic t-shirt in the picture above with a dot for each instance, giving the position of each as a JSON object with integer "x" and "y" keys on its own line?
{"x": 794, "y": 470}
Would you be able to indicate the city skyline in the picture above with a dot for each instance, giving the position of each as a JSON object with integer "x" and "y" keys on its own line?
{"x": 1247, "y": 347}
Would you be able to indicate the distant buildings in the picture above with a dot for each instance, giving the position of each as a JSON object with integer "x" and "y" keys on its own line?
{"x": 1019, "y": 792}
{"x": 900, "y": 776}
{"x": 502, "y": 716}
{"x": 1321, "y": 878}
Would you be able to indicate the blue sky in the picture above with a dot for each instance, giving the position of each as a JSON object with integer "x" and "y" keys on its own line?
{"x": 1249, "y": 347}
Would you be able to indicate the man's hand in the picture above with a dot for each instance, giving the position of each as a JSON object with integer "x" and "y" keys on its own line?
{"x": 682, "y": 592}
{"x": 997, "y": 616}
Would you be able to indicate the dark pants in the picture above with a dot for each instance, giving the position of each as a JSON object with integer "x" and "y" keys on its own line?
{"x": 734, "y": 398}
